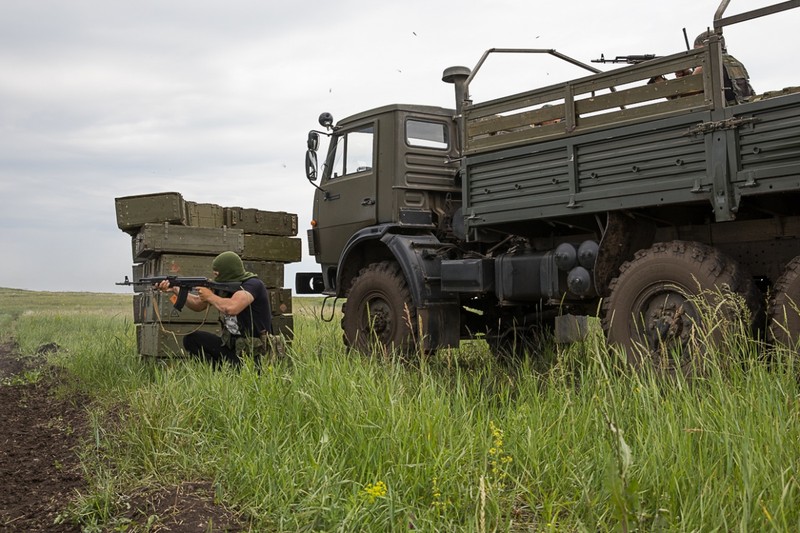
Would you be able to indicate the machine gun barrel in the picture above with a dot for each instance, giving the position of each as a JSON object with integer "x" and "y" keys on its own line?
{"x": 630, "y": 60}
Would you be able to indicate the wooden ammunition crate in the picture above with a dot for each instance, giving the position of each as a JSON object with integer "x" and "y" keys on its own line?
{"x": 269, "y": 272}
{"x": 261, "y": 222}
{"x": 135, "y": 211}
{"x": 280, "y": 301}
{"x": 153, "y": 306}
{"x": 166, "y": 340}
{"x": 150, "y": 306}
{"x": 167, "y": 238}
{"x": 179, "y": 265}
{"x": 137, "y": 271}
{"x": 271, "y": 248}
{"x": 205, "y": 215}
{"x": 283, "y": 325}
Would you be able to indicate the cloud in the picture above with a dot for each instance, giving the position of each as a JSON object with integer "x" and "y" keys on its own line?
{"x": 103, "y": 99}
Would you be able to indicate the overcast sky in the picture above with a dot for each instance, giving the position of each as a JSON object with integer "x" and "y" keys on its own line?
{"x": 101, "y": 99}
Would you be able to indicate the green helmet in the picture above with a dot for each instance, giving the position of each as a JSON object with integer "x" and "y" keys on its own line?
{"x": 701, "y": 39}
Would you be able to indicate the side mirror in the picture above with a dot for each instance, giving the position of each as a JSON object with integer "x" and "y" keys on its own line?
{"x": 313, "y": 141}
{"x": 311, "y": 163}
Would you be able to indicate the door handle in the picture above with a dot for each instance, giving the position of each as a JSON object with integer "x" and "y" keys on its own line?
{"x": 367, "y": 201}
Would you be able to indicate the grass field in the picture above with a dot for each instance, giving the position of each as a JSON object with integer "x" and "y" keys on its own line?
{"x": 331, "y": 441}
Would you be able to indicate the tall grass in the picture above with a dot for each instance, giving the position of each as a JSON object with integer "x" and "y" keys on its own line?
{"x": 328, "y": 440}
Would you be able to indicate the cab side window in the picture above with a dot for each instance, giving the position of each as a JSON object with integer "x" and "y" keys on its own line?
{"x": 354, "y": 152}
{"x": 425, "y": 134}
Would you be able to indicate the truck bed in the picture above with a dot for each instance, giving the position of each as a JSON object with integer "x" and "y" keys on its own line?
{"x": 621, "y": 143}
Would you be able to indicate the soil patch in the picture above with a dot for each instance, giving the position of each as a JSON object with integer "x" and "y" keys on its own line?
{"x": 41, "y": 431}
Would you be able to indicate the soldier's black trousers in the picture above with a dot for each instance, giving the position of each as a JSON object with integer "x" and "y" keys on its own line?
{"x": 209, "y": 347}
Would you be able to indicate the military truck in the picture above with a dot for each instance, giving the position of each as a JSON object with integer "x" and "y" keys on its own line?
{"x": 505, "y": 218}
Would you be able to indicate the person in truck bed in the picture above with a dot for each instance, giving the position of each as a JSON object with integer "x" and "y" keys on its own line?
{"x": 735, "y": 76}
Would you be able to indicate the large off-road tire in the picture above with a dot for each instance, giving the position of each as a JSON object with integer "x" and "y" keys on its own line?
{"x": 784, "y": 309}
{"x": 672, "y": 298}
{"x": 379, "y": 313}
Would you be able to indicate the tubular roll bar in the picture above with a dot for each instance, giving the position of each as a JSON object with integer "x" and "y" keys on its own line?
{"x": 526, "y": 51}
{"x": 720, "y": 22}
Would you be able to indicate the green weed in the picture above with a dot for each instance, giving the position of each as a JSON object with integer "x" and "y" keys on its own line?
{"x": 329, "y": 440}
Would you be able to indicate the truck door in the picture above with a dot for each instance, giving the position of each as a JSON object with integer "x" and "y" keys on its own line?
{"x": 349, "y": 200}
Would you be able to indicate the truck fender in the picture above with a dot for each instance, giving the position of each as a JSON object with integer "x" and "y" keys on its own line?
{"x": 421, "y": 266}
{"x": 414, "y": 253}
{"x": 357, "y": 242}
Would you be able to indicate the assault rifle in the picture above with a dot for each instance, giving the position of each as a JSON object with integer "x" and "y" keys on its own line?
{"x": 631, "y": 60}
{"x": 185, "y": 284}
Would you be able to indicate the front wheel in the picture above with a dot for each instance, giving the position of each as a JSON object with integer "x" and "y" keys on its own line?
{"x": 379, "y": 313}
{"x": 672, "y": 298}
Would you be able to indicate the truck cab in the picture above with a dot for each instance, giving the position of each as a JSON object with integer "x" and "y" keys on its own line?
{"x": 394, "y": 168}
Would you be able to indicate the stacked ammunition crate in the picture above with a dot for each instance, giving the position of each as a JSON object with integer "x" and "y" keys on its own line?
{"x": 175, "y": 237}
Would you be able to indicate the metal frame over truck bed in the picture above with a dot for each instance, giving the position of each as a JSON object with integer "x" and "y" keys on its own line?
{"x": 644, "y": 145}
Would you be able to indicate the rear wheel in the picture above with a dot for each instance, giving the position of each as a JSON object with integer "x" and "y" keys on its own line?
{"x": 784, "y": 310}
{"x": 668, "y": 300}
{"x": 379, "y": 312}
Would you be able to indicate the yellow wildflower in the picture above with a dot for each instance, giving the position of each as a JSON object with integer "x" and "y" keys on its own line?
{"x": 497, "y": 456}
{"x": 373, "y": 491}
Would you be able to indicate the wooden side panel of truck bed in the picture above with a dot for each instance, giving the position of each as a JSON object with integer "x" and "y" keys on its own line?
{"x": 645, "y": 145}
{"x": 637, "y": 167}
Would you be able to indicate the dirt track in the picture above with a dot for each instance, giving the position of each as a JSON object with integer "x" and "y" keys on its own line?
{"x": 40, "y": 435}
{"x": 39, "y": 470}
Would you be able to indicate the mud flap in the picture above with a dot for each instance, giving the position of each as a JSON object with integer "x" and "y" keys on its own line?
{"x": 438, "y": 312}
{"x": 435, "y": 321}
{"x": 571, "y": 328}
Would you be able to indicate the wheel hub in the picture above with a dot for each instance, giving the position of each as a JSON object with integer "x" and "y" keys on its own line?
{"x": 666, "y": 320}
{"x": 378, "y": 320}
